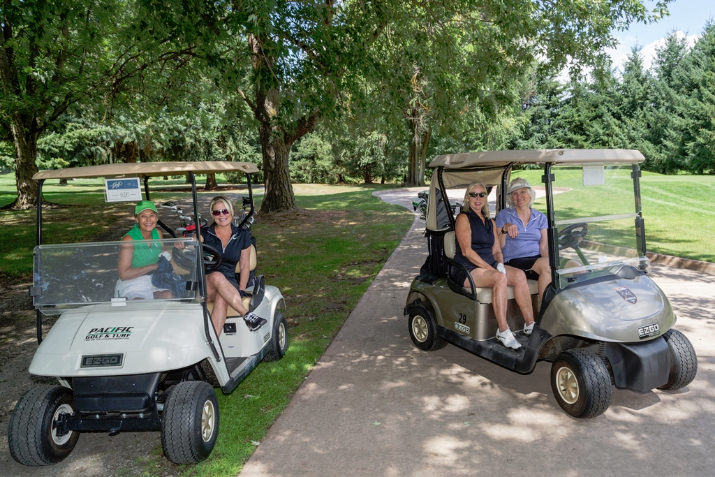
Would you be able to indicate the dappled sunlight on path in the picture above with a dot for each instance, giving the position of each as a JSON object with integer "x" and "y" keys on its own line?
{"x": 376, "y": 406}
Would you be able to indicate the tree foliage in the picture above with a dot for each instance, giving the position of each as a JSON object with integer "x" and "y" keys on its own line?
{"x": 667, "y": 113}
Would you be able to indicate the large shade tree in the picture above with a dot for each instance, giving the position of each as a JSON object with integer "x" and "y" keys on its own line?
{"x": 298, "y": 63}
{"x": 462, "y": 62}
{"x": 56, "y": 54}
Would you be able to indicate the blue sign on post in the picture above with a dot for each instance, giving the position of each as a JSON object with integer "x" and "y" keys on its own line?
{"x": 122, "y": 190}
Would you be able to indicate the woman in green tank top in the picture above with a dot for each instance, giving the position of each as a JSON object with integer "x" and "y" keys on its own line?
{"x": 137, "y": 261}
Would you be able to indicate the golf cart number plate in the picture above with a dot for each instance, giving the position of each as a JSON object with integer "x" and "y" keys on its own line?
{"x": 102, "y": 360}
{"x": 649, "y": 330}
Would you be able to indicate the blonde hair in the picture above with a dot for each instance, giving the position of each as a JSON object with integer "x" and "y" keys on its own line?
{"x": 226, "y": 203}
{"x": 485, "y": 207}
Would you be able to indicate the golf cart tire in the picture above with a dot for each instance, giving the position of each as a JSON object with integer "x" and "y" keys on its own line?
{"x": 31, "y": 435}
{"x": 190, "y": 420}
{"x": 683, "y": 361}
{"x": 581, "y": 383}
{"x": 423, "y": 328}
{"x": 279, "y": 339}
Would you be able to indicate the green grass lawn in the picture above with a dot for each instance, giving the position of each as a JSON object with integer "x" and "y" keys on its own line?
{"x": 322, "y": 257}
{"x": 678, "y": 218}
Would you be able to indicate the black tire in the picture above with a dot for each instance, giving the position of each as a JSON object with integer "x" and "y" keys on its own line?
{"x": 32, "y": 438}
{"x": 423, "y": 328}
{"x": 581, "y": 383}
{"x": 279, "y": 339}
{"x": 683, "y": 361}
{"x": 189, "y": 424}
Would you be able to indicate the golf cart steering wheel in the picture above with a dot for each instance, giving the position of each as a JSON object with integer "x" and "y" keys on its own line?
{"x": 572, "y": 235}
{"x": 210, "y": 257}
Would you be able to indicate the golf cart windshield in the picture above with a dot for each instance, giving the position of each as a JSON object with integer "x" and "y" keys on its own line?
{"x": 70, "y": 275}
{"x": 596, "y": 220}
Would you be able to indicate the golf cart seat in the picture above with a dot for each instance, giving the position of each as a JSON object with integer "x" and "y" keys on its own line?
{"x": 257, "y": 287}
{"x": 484, "y": 295}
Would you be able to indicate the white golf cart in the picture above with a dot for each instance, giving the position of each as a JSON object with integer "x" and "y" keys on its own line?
{"x": 136, "y": 365}
{"x": 602, "y": 322}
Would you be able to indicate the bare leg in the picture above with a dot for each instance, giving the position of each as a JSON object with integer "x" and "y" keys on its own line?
{"x": 226, "y": 290}
{"x": 517, "y": 279}
{"x": 497, "y": 282}
{"x": 541, "y": 266}
{"x": 218, "y": 314}
{"x": 223, "y": 294}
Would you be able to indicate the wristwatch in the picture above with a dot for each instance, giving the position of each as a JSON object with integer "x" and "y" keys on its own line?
{"x": 503, "y": 231}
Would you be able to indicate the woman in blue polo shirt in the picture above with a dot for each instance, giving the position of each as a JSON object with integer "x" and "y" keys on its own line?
{"x": 522, "y": 232}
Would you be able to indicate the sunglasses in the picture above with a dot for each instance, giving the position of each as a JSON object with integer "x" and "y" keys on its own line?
{"x": 216, "y": 213}
{"x": 474, "y": 195}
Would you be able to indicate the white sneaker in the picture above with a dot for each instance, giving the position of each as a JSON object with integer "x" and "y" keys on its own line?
{"x": 529, "y": 328}
{"x": 507, "y": 339}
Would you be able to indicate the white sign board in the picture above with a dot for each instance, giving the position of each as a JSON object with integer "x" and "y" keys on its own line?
{"x": 594, "y": 175}
{"x": 122, "y": 190}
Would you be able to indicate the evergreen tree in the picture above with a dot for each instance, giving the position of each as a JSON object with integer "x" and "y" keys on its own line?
{"x": 633, "y": 100}
{"x": 665, "y": 121}
{"x": 697, "y": 71}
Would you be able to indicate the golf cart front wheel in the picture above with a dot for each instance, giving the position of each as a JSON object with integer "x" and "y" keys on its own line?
{"x": 683, "y": 360}
{"x": 423, "y": 328}
{"x": 279, "y": 339}
{"x": 189, "y": 425}
{"x": 33, "y": 435}
{"x": 581, "y": 383}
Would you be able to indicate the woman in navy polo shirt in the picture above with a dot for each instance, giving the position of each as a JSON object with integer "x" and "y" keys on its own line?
{"x": 522, "y": 232}
{"x": 480, "y": 255}
{"x": 234, "y": 244}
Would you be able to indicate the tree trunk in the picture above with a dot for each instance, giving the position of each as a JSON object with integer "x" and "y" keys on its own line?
{"x": 211, "y": 183}
{"x": 415, "y": 166}
{"x": 426, "y": 135}
{"x": 418, "y": 153}
{"x": 25, "y": 141}
{"x": 279, "y": 191}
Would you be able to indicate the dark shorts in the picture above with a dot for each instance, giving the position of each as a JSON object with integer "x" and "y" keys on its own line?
{"x": 459, "y": 274}
{"x": 525, "y": 263}
{"x": 233, "y": 279}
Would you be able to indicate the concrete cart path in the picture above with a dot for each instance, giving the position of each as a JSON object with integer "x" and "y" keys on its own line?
{"x": 376, "y": 406}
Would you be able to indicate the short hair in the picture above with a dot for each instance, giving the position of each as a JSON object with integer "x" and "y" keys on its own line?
{"x": 226, "y": 203}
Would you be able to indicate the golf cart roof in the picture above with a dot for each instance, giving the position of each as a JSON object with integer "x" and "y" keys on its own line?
{"x": 147, "y": 169}
{"x": 486, "y": 159}
{"x": 492, "y": 167}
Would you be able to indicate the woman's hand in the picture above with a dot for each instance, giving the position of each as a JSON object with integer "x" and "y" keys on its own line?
{"x": 510, "y": 229}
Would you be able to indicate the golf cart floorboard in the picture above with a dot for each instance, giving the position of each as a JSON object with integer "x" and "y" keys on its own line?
{"x": 521, "y": 360}
{"x": 233, "y": 363}
{"x": 239, "y": 368}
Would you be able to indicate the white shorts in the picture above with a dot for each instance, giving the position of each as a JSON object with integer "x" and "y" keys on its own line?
{"x": 137, "y": 288}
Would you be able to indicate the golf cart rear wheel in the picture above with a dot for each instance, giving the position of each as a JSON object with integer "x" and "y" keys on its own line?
{"x": 581, "y": 383}
{"x": 279, "y": 339}
{"x": 33, "y": 436}
{"x": 683, "y": 361}
{"x": 423, "y": 328}
{"x": 189, "y": 425}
